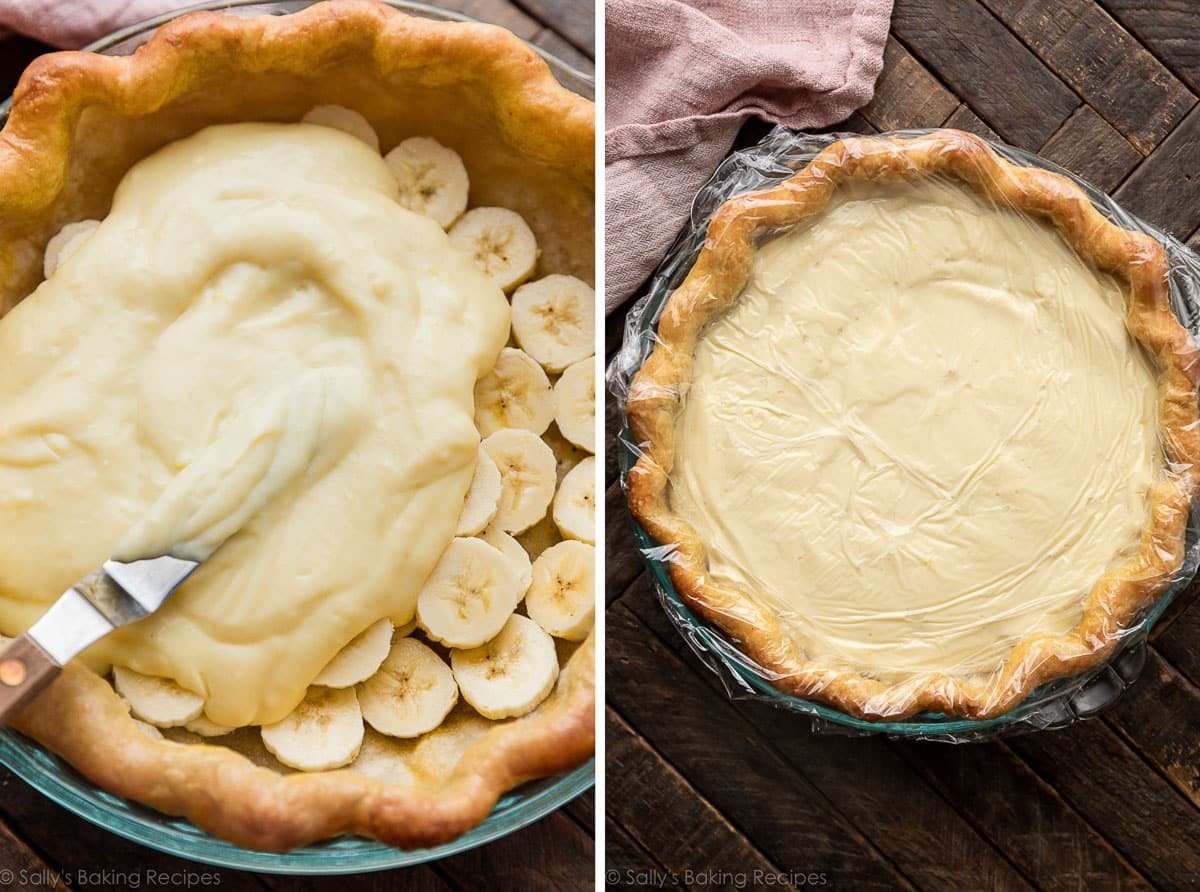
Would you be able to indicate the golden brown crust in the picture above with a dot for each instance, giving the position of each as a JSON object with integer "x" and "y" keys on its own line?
{"x": 715, "y": 283}
{"x": 80, "y": 120}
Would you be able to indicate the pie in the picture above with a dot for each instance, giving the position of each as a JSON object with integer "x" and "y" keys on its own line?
{"x": 919, "y": 429}
{"x": 314, "y": 287}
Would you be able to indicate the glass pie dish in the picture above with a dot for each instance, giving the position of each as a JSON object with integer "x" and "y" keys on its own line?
{"x": 56, "y": 779}
{"x": 1053, "y": 704}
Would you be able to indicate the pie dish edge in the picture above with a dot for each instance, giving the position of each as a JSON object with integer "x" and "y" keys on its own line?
{"x": 714, "y": 283}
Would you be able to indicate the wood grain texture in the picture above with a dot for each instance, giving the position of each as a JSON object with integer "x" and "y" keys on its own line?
{"x": 26, "y": 871}
{"x": 1165, "y": 188}
{"x": 666, "y": 814}
{"x": 1118, "y": 77}
{"x": 906, "y": 94}
{"x": 1087, "y": 145}
{"x": 986, "y": 66}
{"x": 1168, "y": 28}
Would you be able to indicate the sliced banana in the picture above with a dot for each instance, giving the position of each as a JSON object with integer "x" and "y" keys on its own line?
{"x": 66, "y": 242}
{"x": 359, "y": 659}
{"x": 483, "y": 498}
{"x": 345, "y": 119}
{"x": 469, "y": 595}
{"x": 385, "y": 759}
{"x": 515, "y": 393}
{"x": 323, "y": 732}
{"x": 575, "y": 404}
{"x": 159, "y": 701}
{"x": 405, "y": 630}
{"x": 528, "y": 472}
{"x": 562, "y": 598}
{"x": 432, "y": 179}
{"x": 553, "y": 320}
{"x": 500, "y": 243}
{"x": 206, "y": 727}
{"x": 515, "y": 552}
{"x": 149, "y": 730}
{"x": 413, "y": 691}
{"x": 574, "y": 509}
{"x": 509, "y": 675}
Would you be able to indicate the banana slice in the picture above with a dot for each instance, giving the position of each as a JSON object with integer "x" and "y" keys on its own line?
{"x": 500, "y": 243}
{"x": 159, "y": 701}
{"x": 206, "y": 727}
{"x": 528, "y": 473}
{"x": 515, "y": 393}
{"x": 574, "y": 509}
{"x": 413, "y": 691}
{"x": 483, "y": 498}
{"x": 66, "y": 242}
{"x": 404, "y": 631}
{"x": 469, "y": 595}
{"x": 553, "y": 320}
{"x": 345, "y": 119}
{"x": 323, "y": 732}
{"x": 516, "y": 554}
{"x": 575, "y": 404}
{"x": 385, "y": 759}
{"x": 562, "y": 599}
{"x": 511, "y": 674}
{"x": 149, "y": 730}
{"x": 432, "y": 179}
{"x": 359, "y": 659}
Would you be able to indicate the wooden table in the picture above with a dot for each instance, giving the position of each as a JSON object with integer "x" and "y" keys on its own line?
{"x": 696, "y": 782}
{"x": 42, "y": 842}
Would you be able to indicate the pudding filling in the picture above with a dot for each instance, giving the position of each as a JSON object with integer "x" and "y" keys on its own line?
{"x": 920, "y": 435}
{"x": 257, "y": 300}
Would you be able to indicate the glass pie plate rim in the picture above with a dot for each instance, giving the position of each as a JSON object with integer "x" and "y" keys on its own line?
{"x": 59, "y": 781}
{"x": 1052, "y": 705}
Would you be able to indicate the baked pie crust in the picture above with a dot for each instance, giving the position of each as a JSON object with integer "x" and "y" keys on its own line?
{"x": 721, "y": 272}
{"x": 79, "y": 121}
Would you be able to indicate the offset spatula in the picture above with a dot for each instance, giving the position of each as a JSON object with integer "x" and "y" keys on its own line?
{"x": 106, "y": 599}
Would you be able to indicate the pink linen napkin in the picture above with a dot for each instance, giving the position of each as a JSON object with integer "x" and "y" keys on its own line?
{"x": 71, "y": 24}
{"x": 682, "y": 76}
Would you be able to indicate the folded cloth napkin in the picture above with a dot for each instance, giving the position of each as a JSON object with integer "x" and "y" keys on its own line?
{"x": 682, "y": 76}
{"x": 72, "y": 23}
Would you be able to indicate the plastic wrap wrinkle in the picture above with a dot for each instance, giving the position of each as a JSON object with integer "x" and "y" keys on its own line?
{"x": 918, "y": 437}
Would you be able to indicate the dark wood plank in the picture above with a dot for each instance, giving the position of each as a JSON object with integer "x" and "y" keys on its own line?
{"x": 790, "y": 821}
{"x": 1177, "y": 641}
{"x": 553, "y": 854}
{"x": 22, "y": 869}
{"x": 1023, "y": 816}
{"x": 1159, "y": 716}
{"x": 622, "y": 559}
{"x": 906, "y": 94}
{"x": 423, "y": 878}
{"x": 965, "y": 119}
{"x": 662, "y": 811}
{"x": 1141, "y": 814}
{"x": 573, "y": 19}
{"x": 986, "y": 66}
{"x": 1087, "y": 145}
{"x": 71, "y": 844}
{"x": 1165, "y": 188}
{"x": 1114, "y": 73}
{"x": 1168, "y": 28}
{"x": 627, "y": 864}
{"x": 612, "y": 427}
{"x": 583, "y": 810}
{"x": 876, "y": 790}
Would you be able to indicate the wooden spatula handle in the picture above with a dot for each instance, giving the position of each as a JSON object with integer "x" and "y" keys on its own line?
{"x": 25, "y": 669}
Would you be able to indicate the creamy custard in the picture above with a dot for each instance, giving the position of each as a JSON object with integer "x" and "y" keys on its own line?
{"x": 921, "y": 433}
{"x": 234, "y": 265}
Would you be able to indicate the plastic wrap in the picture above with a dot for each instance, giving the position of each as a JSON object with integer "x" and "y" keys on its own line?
{"x": 902, "y": 470}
